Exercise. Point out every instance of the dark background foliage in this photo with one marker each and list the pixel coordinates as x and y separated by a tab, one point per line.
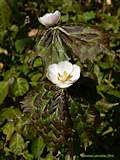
39	122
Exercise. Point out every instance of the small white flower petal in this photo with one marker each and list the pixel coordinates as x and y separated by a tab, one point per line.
53	68
46	19
63	85
56	17
52	73
43	21
52	77
65	66
75	73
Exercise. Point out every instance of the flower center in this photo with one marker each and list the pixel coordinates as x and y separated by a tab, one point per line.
64	77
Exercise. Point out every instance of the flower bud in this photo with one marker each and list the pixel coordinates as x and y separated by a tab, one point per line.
50	19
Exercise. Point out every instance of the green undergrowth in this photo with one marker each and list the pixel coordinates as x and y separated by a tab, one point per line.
38	121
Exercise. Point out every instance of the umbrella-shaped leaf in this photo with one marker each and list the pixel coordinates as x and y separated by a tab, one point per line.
50	47
85	42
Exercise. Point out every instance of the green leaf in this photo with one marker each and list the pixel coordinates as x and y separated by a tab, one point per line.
37	147
60	48
8	130
107	61
3	33
89	15
85	42
4	88
36	77
104	106
17	144
27	155
38	62
5	14
114	92
98	73
21	44
110	129
20	87
50	47
9	113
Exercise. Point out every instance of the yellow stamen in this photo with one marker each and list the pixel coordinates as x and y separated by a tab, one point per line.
65	77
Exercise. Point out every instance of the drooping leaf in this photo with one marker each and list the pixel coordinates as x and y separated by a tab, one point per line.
59	48
4	88
42	48
50	47
85	42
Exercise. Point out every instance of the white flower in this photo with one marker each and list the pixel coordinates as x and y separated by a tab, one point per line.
63	74
49	19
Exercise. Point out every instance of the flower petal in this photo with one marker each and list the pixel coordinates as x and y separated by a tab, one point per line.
52	73
53	68
63	85
52	77
75	73
46	19
65	66
56	17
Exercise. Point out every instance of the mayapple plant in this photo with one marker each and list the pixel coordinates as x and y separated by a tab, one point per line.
59	70
59	47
